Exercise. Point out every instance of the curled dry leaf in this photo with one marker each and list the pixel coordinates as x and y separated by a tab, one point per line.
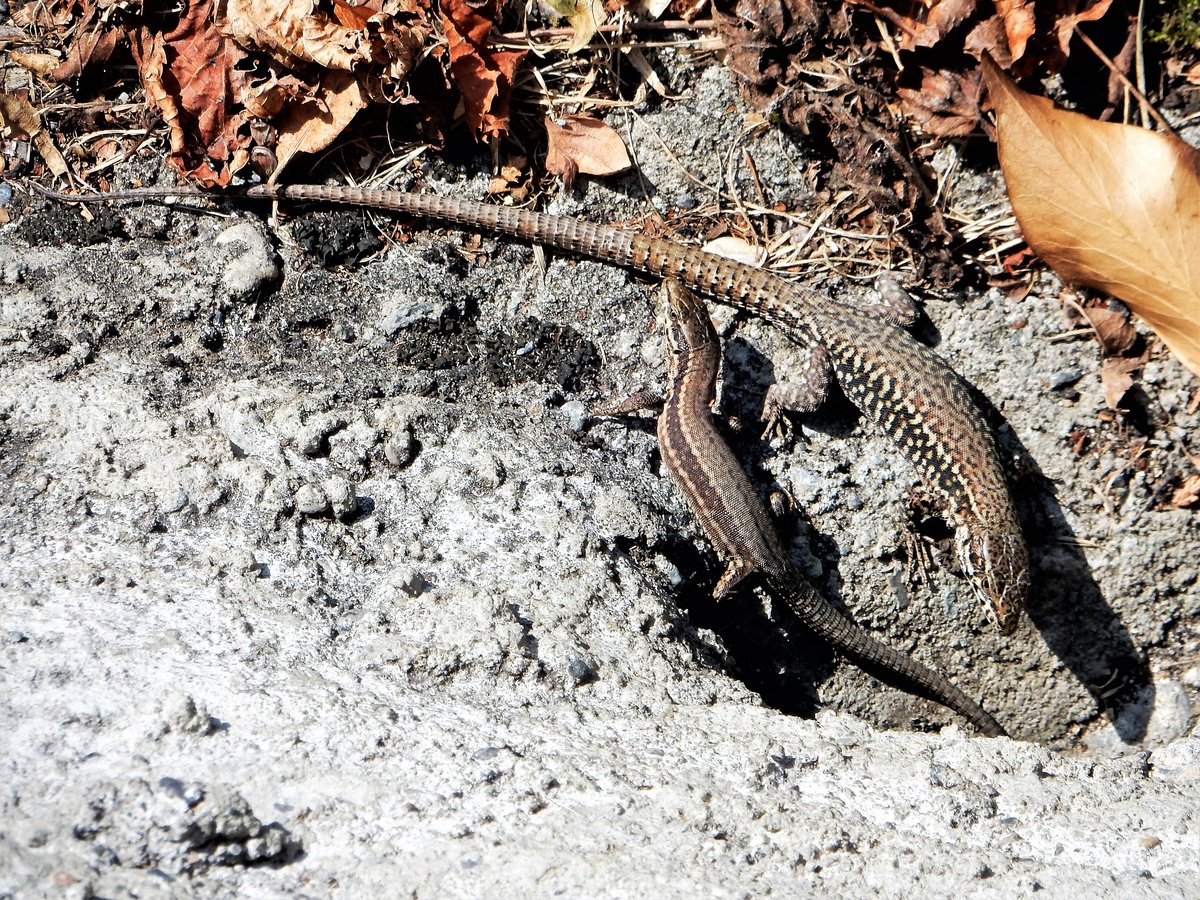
1109	206
582	144
37	63
1114	331
1187	495
585	16
1019	24
481	72
1116	376
382	41
18	118
941	18
733	247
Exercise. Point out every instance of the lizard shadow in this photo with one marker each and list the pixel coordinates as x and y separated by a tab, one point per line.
760	651
1065	603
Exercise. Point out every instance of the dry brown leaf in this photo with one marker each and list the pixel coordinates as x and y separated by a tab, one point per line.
19	118
49	15
191	75
989	35
349	16
1110	206
481	72
581	144
1187	495
37	63
942	18
946	103
1072	13
381	43
1113	329
1116	374
311	127
91	47
1019	24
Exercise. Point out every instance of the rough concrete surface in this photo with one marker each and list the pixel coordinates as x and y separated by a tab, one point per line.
324	583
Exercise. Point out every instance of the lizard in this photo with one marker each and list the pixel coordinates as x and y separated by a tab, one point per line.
736	521
901	385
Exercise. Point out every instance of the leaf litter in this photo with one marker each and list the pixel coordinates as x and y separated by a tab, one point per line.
248	90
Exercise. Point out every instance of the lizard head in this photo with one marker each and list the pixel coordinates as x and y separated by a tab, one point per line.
689	326
997	564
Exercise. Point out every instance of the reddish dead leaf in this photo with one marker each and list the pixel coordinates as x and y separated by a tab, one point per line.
942	17
349	16
1187	495
1070	14
1078	439
1113	329
1019	24
1018	260
481	72
186	74
946	103
95	41
580	144
1110	206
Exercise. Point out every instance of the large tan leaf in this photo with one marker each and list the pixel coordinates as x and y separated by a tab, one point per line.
1109	206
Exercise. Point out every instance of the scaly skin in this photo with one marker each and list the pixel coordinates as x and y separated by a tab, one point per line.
899	384
738	524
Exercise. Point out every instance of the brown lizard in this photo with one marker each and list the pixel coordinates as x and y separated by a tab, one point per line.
901	385
736	521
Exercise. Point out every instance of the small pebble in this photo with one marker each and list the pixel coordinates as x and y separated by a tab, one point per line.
576	414
399	448
253	266
340	492
310	500
583	669
1064	378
